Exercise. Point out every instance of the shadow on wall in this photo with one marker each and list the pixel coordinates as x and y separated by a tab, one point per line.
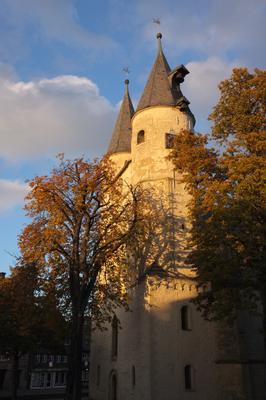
165	349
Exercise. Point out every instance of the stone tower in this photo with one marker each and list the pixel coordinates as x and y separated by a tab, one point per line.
164	349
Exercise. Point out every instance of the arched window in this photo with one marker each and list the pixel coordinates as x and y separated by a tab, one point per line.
185	318
114	336
133	373
188	377
141	137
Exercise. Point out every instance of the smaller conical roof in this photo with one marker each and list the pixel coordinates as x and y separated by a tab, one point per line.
121	137
158	90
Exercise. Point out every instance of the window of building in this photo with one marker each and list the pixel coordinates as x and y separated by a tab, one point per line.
41	380
141	137
60	378
64	359
169	140
2	377
98	378
185	318
113	386
85	356
133	373
44	358
4	357
38	358
58	358
188	376
85	375
114	336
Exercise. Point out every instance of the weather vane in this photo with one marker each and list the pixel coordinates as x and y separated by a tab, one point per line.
156	21
126	70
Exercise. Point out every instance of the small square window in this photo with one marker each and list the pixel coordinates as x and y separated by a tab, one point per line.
169	140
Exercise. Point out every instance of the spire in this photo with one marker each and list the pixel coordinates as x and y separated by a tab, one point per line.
158	90
121	137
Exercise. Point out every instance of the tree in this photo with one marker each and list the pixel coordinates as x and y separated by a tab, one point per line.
82	219
227	207
29	319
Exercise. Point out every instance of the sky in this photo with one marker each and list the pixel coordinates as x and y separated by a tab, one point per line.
61	76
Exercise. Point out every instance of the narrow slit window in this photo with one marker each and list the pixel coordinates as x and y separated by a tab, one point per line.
113	387
98	375
114	336
133	376
141	137
188	377
185	318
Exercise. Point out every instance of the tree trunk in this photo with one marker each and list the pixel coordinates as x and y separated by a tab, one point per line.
15	372
74	384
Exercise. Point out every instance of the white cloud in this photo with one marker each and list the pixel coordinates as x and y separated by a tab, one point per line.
47	116
12	193
210	28
201	85
55	20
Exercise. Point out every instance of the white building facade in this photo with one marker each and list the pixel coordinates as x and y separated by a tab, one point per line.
163	349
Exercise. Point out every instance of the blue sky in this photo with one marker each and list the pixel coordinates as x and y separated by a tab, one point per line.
61	76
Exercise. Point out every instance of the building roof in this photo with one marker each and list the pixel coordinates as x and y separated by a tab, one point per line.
121	137
163	85
158	90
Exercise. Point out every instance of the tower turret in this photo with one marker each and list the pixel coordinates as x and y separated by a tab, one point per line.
121	137
161	114
163	85
120	146
157	90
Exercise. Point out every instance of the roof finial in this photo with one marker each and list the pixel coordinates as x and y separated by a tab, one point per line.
159	37
126	84
126	72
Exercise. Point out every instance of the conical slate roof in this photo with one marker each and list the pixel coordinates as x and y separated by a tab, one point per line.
121	137
158	90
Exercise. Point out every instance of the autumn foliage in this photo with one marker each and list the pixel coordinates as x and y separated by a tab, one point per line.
29	317
228	198
82	219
